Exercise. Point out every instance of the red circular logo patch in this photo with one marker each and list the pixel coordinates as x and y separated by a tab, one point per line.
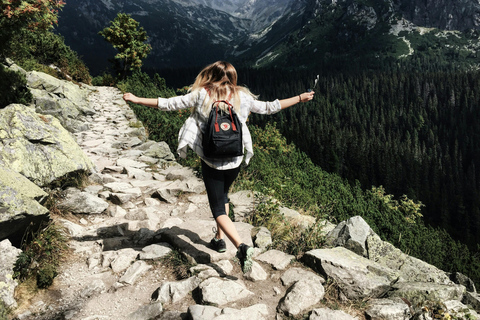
225	126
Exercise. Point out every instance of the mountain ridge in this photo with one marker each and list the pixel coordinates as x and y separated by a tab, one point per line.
193	33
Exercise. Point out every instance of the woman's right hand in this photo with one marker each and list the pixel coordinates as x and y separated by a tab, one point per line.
130	97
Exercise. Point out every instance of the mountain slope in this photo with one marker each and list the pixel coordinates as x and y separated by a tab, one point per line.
306	33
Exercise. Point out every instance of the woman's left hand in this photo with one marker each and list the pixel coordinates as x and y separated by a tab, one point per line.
306	96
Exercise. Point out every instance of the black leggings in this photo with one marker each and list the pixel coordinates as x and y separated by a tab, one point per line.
217	183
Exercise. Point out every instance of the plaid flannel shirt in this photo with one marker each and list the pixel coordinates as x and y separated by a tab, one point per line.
191	133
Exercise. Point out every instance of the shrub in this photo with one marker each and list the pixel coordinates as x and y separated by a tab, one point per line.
13	88
38	50
42	253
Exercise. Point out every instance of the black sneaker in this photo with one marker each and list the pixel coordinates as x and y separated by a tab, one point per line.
244	254
218	245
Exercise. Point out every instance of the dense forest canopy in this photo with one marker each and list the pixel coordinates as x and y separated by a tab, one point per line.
414	133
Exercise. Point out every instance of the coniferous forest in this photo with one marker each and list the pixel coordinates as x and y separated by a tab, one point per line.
414	133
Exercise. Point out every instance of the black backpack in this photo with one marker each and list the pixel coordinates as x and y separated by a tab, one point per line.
223	133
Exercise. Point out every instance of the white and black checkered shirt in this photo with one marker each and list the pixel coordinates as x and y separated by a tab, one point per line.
190	134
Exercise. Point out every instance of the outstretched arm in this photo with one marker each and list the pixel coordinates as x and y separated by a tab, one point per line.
304	97
149	102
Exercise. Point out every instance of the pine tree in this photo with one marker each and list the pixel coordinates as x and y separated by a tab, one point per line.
126	36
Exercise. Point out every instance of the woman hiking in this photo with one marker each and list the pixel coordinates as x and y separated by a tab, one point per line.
217	85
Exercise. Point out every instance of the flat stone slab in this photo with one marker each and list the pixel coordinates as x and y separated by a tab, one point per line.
356	276
218	292
277	259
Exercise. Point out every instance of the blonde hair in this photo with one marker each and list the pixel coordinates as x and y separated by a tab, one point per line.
220	81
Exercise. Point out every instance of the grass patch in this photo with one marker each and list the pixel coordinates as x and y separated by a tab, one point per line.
43	250
77	179
178	264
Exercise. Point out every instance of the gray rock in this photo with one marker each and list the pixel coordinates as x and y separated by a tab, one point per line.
124	259
204	271
155	251
410	269
216	269
93	189
135	271
392	309
301	296
200	312
118	187
472	299
296	219
8	257
256	273
293	275
159	150
78	202
465	281
120	198
179	173
262	237
255	312
418	292
352	235
129	163
166	195
93	288
329	314
218	292
19	204
277	259
38	147
139	133
171	292
64	100
116	211
150	311
243	204
134	173
73	229
357	277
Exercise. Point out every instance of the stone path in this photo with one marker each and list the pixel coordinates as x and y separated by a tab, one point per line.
138	206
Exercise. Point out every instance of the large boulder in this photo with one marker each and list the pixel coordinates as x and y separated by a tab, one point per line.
37	146
20	205
410	269
62	99
351	234
356	276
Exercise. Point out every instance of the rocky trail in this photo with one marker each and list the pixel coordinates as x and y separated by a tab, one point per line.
140	211
119	227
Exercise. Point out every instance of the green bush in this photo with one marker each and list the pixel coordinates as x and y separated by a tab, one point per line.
42	252
13	88
45	276
37	50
